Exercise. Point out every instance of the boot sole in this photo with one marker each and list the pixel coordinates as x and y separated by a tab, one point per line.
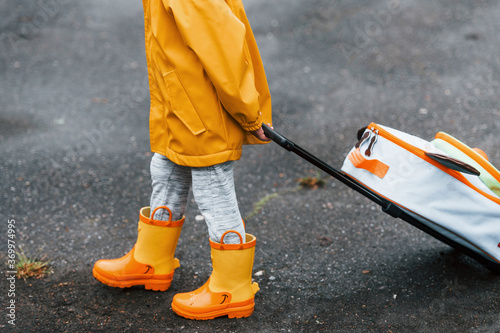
149	284
237	312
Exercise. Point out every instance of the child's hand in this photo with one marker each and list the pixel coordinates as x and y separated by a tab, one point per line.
259	134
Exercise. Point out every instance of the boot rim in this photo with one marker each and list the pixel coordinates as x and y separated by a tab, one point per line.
145	217
251	241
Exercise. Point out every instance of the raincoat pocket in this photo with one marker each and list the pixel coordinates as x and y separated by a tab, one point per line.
181	104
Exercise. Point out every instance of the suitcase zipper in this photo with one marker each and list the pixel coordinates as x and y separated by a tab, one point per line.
421	154
367	136
412	149
373	140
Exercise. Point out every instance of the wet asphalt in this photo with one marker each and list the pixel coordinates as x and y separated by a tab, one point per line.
74	147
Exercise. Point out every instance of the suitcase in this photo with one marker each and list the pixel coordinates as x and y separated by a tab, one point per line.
442	187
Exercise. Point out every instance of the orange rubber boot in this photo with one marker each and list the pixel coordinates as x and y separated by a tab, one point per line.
151	261
229	291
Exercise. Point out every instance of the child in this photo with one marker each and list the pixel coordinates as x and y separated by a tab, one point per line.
209	96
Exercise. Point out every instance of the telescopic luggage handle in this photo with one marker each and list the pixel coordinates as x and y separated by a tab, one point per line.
278	138
387	206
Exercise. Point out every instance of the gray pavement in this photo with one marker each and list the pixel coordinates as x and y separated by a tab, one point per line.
75	155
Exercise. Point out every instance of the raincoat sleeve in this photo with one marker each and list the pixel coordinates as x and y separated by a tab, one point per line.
217	36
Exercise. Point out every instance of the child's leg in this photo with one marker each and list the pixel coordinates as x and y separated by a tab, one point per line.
151	261
213	189
171	183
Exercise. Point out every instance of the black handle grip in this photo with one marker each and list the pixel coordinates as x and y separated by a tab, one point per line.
278	138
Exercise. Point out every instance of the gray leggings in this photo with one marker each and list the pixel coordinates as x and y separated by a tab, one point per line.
213	190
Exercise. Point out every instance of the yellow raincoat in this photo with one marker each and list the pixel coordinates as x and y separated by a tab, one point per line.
207	83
